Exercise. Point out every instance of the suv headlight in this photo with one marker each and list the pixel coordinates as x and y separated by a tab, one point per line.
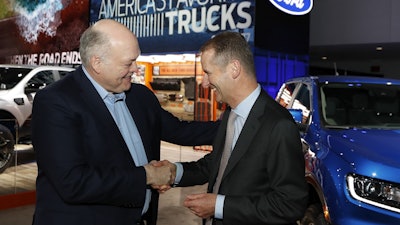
374	191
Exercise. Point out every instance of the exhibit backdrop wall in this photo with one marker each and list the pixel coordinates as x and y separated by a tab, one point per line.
48	31
42	32
168	26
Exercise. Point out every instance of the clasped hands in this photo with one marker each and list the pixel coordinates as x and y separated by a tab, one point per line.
160	175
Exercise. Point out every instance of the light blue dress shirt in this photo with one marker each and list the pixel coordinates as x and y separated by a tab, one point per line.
242	111
126	125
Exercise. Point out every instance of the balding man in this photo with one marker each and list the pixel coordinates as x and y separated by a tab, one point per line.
95	135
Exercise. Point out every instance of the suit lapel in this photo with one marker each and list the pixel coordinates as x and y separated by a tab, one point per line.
250	128
98	109
134	104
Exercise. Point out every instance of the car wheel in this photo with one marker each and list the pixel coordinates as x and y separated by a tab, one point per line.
314	216
6	147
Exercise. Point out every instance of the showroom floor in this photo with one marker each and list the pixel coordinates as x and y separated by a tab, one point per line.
21	177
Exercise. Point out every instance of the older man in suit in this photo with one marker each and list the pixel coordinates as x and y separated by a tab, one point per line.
95	135
256	169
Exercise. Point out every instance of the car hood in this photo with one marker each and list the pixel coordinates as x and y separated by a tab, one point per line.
357	145
3	92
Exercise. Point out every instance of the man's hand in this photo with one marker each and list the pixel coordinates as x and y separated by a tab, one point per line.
158	175
202	205
172	167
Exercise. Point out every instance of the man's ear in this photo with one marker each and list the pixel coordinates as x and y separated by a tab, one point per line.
95	62
235	67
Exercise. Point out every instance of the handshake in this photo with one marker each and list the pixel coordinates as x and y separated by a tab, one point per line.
160	175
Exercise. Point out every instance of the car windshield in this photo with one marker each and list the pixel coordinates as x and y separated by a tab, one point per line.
9	77
360	105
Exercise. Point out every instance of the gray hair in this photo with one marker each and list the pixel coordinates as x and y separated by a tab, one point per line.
93	43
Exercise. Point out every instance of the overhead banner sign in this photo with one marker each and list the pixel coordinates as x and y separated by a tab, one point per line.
177	25
293	7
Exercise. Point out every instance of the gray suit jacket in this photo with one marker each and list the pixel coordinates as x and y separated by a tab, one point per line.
264	180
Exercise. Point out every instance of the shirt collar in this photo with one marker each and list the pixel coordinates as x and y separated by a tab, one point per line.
243	109
102	92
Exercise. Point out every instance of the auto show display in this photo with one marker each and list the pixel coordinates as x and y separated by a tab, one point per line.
350	130
18	85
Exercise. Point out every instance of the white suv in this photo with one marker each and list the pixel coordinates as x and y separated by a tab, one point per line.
18	85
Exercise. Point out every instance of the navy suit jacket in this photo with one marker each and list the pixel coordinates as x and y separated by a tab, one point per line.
264	179
86	174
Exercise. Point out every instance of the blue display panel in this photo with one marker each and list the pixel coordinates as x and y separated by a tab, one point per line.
273	69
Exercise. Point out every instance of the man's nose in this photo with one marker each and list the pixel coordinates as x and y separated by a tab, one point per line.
205	83
134	68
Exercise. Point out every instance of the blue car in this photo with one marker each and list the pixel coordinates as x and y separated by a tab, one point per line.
350	130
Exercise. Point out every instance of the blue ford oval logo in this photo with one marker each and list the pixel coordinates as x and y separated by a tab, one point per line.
293	7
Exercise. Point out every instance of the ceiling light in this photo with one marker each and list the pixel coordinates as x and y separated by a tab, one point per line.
324	58
379	48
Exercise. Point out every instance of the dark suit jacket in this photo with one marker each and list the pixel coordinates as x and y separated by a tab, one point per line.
264	180
86	174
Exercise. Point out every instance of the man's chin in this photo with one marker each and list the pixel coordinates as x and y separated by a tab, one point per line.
126	86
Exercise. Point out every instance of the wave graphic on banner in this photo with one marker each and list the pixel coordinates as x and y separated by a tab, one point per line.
35	17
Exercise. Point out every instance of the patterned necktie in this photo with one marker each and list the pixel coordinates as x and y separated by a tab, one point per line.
230	129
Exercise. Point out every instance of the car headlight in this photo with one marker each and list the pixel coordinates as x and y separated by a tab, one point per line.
374	191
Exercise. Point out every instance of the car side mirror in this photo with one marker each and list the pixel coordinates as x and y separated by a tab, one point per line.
297	114
298	118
